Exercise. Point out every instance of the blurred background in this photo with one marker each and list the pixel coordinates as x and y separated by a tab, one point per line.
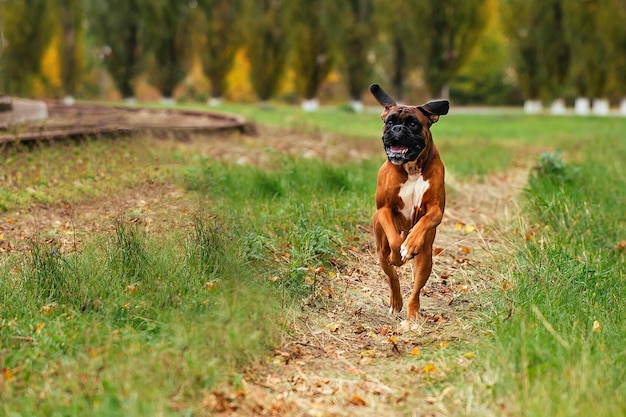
545	54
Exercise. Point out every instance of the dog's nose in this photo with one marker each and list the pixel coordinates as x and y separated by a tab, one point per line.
397	128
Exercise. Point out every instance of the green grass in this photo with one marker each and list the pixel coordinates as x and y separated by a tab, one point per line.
130	322
561	352
143	324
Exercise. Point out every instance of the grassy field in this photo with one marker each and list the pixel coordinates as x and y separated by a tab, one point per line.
149	320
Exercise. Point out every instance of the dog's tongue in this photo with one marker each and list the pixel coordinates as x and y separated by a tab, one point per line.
398	149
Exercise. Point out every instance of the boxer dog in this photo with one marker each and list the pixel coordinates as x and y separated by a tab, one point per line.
410	194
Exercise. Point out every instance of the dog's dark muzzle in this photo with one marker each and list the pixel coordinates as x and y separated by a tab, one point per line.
402	145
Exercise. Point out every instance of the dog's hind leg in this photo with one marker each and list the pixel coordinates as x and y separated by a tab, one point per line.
395	295
422	267
383	250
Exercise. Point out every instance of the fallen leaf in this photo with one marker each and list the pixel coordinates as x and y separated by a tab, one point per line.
366	360
393	339
597	327
621	246
356	400
370	353
459	226
437	251
469	228
274	278
359	329
469	355
318	269
385	330
333	327
48	308
429	368
443	344
415	351
465	249
39	327
7	374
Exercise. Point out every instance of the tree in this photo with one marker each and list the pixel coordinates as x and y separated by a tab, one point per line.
398	37
587	24
310	29
71	16
116	25
617	33
167	39
222	39
265	45
356	41
27	30
535	29
449	31
483	80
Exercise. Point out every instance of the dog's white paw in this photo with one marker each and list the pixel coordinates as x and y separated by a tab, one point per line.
404	252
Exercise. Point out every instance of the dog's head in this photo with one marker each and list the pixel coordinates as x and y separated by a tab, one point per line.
407	128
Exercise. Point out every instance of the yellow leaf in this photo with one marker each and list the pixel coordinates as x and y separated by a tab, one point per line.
370	353
458	226
597	327
274	278
393	339
469	355
332	274
469	228
415	351
442	345
465	249
39	327
430	368
7	374
333	327
211	285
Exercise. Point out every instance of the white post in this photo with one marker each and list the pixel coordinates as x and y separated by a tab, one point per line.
533	106
357	105
600	107
311	104
214	101
558	106
581	106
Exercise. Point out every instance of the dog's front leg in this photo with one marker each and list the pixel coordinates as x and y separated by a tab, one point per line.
395	239
414	242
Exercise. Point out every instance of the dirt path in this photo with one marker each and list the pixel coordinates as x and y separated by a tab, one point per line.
349	357
346	356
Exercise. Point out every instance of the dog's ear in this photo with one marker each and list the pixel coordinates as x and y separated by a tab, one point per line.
434	109
383	98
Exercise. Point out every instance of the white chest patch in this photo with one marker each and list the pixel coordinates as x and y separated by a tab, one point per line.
411	193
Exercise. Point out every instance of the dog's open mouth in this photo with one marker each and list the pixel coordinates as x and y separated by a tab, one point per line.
401	150
400	154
